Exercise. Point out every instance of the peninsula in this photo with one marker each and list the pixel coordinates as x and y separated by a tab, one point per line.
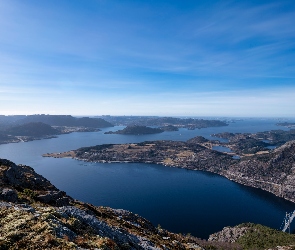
270	170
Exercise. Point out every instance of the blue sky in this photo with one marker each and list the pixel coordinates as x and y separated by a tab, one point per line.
153	57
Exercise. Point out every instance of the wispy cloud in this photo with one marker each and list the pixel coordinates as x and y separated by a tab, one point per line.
119	52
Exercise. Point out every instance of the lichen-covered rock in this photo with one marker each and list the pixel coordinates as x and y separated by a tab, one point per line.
229	234
103	229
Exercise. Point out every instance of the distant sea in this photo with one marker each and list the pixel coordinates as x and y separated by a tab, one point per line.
179	200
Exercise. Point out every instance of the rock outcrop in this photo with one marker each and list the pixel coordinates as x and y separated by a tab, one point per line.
8	194
254	236
229	234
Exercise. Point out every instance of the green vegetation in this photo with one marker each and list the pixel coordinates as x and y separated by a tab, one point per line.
29	193
262	237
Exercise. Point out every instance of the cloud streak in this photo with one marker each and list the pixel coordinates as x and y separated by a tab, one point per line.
118	52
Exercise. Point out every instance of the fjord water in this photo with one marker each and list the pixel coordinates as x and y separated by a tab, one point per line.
179	200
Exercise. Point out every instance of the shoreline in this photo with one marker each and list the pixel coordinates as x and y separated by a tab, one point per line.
67	130
278	189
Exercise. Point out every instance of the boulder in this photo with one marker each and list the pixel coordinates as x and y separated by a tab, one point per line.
57	198
7	194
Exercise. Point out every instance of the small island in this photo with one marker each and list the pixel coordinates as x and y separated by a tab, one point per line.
287	124
136	130
169	128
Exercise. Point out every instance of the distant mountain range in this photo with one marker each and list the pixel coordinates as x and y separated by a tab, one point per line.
56	120
26	128
190	123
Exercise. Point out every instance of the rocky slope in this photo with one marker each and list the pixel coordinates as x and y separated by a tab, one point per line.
273	172
247	143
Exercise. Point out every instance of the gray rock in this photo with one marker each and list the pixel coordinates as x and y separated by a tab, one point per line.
61	230
7	194
229	234
64	201
5	204
24	207
103	229
57	198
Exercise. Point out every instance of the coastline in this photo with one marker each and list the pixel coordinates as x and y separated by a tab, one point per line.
65	130
239	171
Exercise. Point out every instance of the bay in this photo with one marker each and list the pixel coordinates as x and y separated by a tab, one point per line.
179	200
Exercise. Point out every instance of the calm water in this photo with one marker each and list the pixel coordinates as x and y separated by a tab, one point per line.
179	200
221	149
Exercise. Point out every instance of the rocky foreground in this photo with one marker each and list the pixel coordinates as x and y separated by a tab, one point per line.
34	214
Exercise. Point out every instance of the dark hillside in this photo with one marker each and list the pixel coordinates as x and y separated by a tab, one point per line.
137	130
37	129
66	120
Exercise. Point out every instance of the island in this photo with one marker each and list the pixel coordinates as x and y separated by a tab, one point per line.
169	128
136	130
287	124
